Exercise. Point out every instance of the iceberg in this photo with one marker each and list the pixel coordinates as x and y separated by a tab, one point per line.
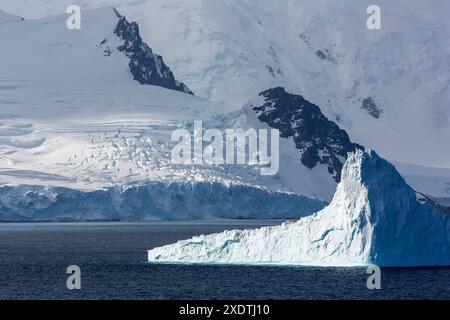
374	218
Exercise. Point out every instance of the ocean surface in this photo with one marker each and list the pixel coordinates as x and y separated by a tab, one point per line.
112	258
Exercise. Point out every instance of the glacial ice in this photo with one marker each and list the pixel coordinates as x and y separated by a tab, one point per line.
99	128
374	218
152	201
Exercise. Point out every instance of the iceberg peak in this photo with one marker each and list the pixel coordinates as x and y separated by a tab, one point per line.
374	218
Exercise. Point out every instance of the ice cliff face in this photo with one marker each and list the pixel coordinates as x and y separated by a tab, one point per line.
374	218
152	201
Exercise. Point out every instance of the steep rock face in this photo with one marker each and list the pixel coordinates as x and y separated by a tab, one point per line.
107	48
318	139
374	218
145	66
228	51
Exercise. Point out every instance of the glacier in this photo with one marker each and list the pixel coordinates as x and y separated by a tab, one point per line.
374	218
230	50
89	130
152	201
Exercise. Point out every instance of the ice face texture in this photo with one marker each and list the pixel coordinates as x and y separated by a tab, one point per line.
152	201
374	218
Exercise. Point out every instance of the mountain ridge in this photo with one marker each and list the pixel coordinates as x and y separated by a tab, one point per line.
105	35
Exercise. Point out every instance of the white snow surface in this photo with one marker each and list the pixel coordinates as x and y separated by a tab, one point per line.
81	140
230	50
73	117
428	180
8	18
374	218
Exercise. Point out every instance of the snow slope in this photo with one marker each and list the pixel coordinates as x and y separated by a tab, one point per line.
73	115
388	89
77	132
236	49
9	18
106	48
84	123
230	50
432	181
312	148
374	218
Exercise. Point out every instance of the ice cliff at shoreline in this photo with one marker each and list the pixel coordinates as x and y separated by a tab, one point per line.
152	201
374	218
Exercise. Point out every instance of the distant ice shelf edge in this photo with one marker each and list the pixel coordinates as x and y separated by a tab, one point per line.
374	218
176	200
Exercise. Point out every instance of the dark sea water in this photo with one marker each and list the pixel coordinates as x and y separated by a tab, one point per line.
112	258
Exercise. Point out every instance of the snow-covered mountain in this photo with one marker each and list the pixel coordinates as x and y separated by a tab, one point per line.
81	139
312	148
108	49
388	88
374	218
85	111
146	67
73	115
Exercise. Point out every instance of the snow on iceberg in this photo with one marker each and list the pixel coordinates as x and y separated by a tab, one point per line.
374	218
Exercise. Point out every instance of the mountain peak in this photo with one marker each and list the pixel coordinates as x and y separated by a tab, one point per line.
145	66
106	48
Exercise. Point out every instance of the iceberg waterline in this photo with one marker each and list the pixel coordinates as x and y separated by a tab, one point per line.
374	218
152	201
